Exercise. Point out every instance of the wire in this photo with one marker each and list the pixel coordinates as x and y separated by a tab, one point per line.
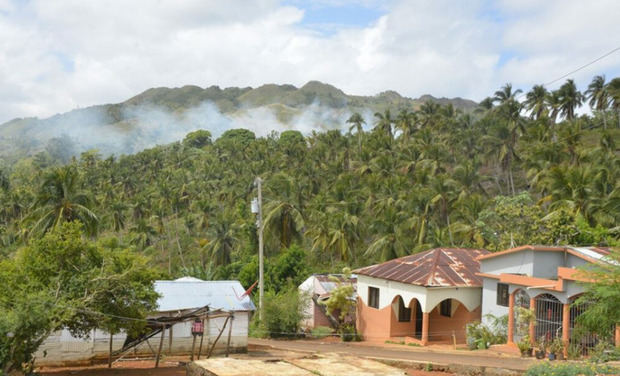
583	66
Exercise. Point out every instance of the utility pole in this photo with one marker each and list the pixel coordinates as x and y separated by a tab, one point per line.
259	223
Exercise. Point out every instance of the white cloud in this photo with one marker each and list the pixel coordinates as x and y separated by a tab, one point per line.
57	55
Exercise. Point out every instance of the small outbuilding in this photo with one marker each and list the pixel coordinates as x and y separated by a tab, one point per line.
426	297
317	289
182	303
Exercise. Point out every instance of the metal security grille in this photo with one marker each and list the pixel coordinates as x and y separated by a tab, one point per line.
585	341
522	299
548	317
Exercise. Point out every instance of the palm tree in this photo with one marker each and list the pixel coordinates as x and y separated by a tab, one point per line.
405	122
554	101
223	240
384	122
536	101
614	94
597	93
570	99
505	94
60	199
356	120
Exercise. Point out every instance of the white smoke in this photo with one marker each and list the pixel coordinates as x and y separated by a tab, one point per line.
145	126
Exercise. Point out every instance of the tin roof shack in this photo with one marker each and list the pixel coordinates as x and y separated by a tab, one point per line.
429	296
318	288
543	278
182	301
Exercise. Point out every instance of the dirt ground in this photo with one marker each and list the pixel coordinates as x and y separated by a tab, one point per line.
169	367
417	372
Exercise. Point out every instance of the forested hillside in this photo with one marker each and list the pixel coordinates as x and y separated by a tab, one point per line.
520	168
163	115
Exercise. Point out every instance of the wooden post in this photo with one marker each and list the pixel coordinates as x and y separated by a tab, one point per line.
617	335
218	337
425	318
511	318
232	317
191	358
170	340
161	344
204	332
454	339
110	354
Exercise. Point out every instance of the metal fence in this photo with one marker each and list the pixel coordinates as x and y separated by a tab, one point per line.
548	317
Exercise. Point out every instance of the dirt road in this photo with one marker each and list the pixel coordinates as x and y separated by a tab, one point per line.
418	354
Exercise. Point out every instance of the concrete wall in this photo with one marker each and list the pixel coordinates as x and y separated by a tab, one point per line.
441	327
62	348
489	299
517	263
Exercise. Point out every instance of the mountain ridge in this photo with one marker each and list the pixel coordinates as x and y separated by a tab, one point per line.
159	110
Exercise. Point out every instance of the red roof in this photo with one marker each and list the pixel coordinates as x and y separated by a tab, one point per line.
436	267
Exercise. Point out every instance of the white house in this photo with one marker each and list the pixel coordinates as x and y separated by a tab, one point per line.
425	297
178	298
543	278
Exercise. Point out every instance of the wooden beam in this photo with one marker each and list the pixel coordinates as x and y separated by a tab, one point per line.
204	329
110	353
161	344
232	317
218	337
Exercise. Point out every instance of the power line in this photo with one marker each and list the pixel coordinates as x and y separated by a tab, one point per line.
583	66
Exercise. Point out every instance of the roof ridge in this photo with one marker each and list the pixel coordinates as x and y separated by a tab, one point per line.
434	266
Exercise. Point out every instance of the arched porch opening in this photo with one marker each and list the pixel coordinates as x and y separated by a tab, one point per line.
447	321
405	318
521	324
549	317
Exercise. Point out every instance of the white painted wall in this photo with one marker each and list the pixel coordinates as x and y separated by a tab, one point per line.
428	297
61	347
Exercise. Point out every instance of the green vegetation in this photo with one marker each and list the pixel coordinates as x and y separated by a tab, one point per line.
569	369
322	332
480	336
426	175
65	281
283	312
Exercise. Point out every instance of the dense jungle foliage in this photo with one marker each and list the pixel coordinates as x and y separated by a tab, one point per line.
521	168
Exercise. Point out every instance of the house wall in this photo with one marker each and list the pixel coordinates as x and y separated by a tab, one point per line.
521	262
546	264
441	327
489	299
402	329
62	348
373	323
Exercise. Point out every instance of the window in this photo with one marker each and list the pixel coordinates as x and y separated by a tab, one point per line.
445	308
502	294
373	297
404	313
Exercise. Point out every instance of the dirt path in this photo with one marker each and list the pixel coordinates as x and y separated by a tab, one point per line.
128	368
417	354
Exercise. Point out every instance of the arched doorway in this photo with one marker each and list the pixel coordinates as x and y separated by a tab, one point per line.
418	320
548	317
522	300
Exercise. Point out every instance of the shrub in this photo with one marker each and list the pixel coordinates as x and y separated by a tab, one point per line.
481	336
282	315
322	331
569	369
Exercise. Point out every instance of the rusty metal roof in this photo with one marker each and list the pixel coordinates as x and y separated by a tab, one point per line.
436	267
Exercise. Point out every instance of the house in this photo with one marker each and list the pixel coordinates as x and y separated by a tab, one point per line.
181	303
541	278
429	296
318	288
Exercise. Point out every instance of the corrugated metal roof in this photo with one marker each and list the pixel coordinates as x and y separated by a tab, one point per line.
191	293
436	267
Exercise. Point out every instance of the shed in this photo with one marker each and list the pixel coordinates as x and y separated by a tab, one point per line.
180	301
317	289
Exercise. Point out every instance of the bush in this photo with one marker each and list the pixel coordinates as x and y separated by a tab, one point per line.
569	369
481	336
322	331
282	315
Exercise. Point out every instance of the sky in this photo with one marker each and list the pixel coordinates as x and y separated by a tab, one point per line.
59	55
